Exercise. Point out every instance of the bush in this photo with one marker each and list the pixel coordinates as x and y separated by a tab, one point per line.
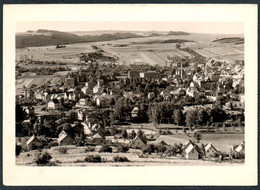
42	158
148	149
54	144
91	158
239	155
89	149
63	150
105	148
122	148
120	159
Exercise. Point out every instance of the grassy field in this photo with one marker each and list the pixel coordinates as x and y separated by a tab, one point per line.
75	156
139	49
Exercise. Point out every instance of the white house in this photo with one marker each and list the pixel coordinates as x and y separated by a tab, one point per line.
210	149
33	141
65	139
53	104
190	151
135	112
137	142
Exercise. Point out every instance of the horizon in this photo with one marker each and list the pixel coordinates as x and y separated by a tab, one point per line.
190	27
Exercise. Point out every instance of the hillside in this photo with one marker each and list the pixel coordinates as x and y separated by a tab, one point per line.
235	40
43	37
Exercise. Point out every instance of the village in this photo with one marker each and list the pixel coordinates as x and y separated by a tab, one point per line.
100	111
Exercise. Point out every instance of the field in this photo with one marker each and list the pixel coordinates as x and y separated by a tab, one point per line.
140	50
75	157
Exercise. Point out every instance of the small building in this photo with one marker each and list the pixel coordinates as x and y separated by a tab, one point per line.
54	104
210	149
137	143
239	148
150	75
33	141
98	90
86	89
103	101
135	112
65	139
151	95
190	151
97	139
133	74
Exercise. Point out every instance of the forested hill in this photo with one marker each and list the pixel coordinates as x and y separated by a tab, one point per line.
45	38
51	37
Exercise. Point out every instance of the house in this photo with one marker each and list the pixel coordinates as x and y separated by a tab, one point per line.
87	130
150	75
86	89
53	104
97	139
137	142
103	101
210	149
178	92
239	148
190	151
98	90
192	92
135	112
151	95
133	74
33	141
65	139
166	95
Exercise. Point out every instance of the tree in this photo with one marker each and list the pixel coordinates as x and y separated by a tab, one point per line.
178	117
42	158
191	118
133	134
124	133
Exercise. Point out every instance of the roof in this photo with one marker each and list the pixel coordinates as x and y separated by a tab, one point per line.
209	145
32	139
63	136
97	136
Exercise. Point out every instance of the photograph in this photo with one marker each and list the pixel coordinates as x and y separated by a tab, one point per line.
161	99
129	98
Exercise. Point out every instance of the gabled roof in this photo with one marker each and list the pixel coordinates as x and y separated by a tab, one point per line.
63	136
187	147
33	138
137	137
208	146
97	136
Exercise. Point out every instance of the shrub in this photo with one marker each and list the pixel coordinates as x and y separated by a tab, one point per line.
42	158
89	149
54	144
105	148
91	158
148	149
122	148
120	159
239	155
63	150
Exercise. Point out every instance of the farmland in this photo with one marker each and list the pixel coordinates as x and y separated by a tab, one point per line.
140	50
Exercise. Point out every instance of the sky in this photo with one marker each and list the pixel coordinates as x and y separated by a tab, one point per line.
196	27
